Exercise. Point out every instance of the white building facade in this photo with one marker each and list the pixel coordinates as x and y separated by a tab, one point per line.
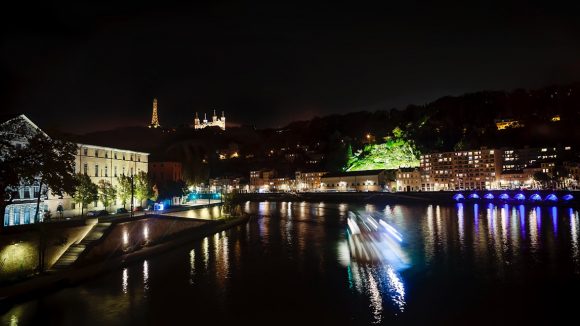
100	163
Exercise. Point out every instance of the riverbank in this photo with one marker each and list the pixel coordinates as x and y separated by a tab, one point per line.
53	281
443	197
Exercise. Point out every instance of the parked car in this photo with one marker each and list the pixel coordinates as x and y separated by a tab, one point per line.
121	211
98	213
138	209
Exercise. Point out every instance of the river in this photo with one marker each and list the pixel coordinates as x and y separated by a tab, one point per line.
300	263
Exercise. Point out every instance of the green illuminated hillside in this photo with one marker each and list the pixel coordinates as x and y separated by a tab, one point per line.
394	153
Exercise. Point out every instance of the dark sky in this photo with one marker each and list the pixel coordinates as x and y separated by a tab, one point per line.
81	67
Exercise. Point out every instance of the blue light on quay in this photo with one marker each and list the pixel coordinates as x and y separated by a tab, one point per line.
552	197
520	196
504	196
474	196
488	196
535	197
458	197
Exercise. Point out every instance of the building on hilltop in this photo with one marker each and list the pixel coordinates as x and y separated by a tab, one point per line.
215	121
503	124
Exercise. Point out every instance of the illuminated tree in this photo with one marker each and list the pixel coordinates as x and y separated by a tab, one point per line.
10	170
49	164
124	189
143	187
394	153
541	178
107	193
86	191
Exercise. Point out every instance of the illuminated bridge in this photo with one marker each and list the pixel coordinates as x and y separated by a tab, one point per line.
517	196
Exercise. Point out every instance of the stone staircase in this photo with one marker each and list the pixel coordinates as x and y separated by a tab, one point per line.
75	250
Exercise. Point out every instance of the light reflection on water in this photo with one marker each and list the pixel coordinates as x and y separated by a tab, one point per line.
145	277
273	259
125	280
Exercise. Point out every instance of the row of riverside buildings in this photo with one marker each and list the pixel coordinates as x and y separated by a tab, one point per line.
98	162
471	169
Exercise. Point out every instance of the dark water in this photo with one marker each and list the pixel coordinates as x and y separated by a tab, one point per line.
461	264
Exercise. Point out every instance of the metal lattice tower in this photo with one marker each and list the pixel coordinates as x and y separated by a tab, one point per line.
154	117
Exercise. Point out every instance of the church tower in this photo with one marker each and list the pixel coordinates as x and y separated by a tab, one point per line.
215	121
196	123
154	117
223	121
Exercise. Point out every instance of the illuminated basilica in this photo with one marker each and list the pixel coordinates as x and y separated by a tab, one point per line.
215	121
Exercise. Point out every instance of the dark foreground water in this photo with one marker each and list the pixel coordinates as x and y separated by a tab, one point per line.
468	263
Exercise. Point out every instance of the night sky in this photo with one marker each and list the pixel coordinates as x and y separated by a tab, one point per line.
80	67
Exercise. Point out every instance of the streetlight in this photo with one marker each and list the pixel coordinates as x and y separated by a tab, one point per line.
132	195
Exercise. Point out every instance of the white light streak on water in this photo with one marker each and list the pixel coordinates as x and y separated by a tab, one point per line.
125	280
145	276
375	298
396	288
191	266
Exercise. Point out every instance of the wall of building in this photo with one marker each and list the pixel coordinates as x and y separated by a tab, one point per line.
161	172
100	163
308	181
475	169
408	180
352	183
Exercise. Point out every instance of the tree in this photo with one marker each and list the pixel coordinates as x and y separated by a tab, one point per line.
143	187
560	176
393	154
124	189
170	189
107	193
398	133
86	191
10	171
541	178
49	163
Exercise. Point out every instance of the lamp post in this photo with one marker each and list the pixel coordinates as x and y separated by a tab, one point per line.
132	195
